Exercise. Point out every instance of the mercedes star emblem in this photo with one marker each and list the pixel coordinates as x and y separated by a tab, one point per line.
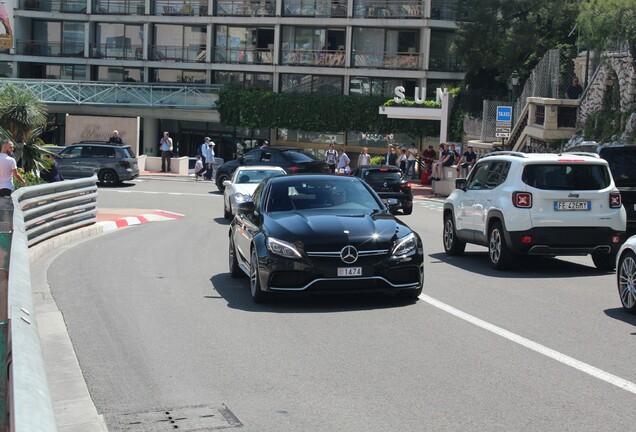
349	254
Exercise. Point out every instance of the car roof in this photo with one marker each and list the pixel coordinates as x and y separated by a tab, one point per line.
379	167
543	157
259	168
99	143
279	149
313	176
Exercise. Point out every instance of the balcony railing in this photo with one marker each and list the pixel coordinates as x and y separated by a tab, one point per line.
132	52
315	8
388	9
445	10
50	49
70	6
386	60
177	53
313	58
120	7
445	62
178	8
245	8
246	56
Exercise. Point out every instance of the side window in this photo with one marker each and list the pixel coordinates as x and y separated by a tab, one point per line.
497	173
103	152
252	156
73	152
477	178
88	152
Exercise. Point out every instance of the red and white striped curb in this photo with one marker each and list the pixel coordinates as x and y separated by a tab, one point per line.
156	216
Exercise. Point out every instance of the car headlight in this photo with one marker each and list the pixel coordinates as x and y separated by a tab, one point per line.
282	248
239	197
404	245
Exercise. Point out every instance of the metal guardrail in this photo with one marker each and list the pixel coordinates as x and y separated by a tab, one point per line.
39	212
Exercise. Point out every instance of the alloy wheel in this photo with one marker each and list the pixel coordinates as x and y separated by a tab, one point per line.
495	246
626	281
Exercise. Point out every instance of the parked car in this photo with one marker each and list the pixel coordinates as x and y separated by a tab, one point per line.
622	163
112	163
292	160
389	184
242	185
315	233
626	274
536	204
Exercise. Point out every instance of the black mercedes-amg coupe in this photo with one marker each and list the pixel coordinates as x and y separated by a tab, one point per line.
323	233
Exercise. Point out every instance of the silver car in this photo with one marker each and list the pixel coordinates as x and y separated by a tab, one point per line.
243	184
111	162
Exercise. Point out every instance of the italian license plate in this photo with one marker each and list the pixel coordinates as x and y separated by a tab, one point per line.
572	205
349	271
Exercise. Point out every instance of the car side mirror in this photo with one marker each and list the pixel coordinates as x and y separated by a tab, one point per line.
226	183
461	183
246	208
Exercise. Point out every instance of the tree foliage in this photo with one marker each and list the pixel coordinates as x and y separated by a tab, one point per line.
312	112
605	23
497	37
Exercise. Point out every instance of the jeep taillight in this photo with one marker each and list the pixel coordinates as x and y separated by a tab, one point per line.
522	199
615	200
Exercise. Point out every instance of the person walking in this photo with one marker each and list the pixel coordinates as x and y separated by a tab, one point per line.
165	145
390	158
204	151
8	169
331	158
410	162
402	161
343	162
364	158
115	139
210	161
199	170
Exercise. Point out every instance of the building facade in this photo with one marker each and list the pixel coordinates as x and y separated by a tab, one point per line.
351	47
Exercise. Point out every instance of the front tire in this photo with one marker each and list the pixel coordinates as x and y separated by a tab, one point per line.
408	208
498	251
626	279
452	244
258	296
235	270
220	179
604	262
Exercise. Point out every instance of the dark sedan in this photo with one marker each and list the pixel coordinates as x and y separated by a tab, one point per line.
389	184
314	233
292	160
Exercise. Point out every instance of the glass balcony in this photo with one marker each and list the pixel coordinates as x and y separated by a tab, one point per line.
298	57
120	7
191	54
131	52
70	6
245	8
315	8
49	49
445	62
246	56
178	8
445	10
386	60
388	9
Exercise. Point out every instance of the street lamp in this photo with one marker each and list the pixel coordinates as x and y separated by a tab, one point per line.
513	82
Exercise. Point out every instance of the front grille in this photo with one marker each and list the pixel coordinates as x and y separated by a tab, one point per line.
289	279
404	275
336	254
344	285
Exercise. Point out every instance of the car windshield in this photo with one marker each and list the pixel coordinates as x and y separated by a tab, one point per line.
256	176
299	156
324	194
567	176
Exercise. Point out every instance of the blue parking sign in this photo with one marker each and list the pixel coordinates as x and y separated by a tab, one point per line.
504	113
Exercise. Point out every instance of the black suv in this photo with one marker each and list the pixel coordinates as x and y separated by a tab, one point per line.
292	160
622	163
388	183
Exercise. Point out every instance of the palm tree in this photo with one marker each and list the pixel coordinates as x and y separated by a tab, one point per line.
21	113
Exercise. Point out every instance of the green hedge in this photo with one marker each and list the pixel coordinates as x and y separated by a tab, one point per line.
312	112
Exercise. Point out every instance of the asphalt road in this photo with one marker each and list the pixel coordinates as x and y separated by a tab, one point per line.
160	329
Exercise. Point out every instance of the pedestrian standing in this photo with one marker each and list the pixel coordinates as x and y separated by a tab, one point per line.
402	161
390	158
8	169
210	162
364	158
165	145
429	157
331	158
410	163
115	139
574	90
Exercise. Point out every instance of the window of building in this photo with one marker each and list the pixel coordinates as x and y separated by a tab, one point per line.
6	69
312	46
54	38
441	57
385	48
321	84
122	41
244	80
179	43
119	74
244	45
178	76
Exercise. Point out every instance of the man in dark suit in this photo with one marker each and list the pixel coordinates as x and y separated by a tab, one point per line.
390	158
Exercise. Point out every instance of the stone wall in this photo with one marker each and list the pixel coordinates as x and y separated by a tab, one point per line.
614	67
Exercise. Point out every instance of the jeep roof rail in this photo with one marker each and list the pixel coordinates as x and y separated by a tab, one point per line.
505	153
590	154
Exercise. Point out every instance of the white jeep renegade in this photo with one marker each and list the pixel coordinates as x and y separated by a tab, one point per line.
537	204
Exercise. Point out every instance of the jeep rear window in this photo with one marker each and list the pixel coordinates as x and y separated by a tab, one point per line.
565	176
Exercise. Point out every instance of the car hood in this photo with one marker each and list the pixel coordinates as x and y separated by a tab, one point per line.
320	231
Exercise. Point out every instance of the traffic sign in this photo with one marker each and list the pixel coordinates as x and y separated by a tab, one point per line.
502	129
503	124
502	134
504	113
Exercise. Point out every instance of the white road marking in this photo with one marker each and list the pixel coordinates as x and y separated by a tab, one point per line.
164	193
548	352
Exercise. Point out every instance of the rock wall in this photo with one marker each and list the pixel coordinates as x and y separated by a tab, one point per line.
614	68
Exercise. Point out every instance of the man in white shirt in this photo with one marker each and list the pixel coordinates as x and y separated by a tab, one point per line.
410	162
210	161
8	169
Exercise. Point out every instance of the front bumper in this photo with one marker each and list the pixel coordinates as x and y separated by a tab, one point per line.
565	241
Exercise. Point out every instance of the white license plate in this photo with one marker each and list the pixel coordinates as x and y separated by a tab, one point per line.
572	205
349	271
